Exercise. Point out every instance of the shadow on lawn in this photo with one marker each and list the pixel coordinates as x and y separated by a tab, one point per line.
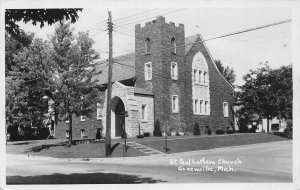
78	178
25	143
46	146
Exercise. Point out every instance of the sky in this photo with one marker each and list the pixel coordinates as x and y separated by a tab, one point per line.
241	52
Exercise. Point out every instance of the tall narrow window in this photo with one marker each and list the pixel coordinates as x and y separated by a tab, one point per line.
173	45
206	107
175	104
195	75
174	71
196	106
200	76
148	71
67	133
204	78
201	106
144	112
225	109
99	111
147	46
82	135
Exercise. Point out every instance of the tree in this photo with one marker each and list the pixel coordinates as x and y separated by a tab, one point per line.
36	16
267	92
73	90
227	72
13	47
25	83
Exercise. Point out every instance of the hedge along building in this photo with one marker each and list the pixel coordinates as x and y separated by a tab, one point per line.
170	78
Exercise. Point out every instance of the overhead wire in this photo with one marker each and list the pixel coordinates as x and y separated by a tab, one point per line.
221	36
151	17
133	15
153	14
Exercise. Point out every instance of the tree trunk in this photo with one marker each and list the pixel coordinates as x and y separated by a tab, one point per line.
70	129
268	124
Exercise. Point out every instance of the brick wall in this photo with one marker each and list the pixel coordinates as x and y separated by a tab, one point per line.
220	92
162	85
90	126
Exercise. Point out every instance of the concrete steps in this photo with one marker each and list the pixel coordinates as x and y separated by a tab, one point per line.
145	149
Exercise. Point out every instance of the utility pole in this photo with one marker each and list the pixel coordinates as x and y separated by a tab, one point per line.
108	107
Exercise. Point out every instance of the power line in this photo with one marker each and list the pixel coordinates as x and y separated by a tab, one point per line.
152	17
259	39
129	30
224	35
124	33
134	15
146	15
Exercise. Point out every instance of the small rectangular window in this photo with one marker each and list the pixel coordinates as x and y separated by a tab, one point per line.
204	78
148	71
144	112
82	118
175	104
225	109
174	71
196	106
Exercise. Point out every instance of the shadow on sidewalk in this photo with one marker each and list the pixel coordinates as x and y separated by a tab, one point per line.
77	178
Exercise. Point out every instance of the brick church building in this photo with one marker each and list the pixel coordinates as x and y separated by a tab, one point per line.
170	78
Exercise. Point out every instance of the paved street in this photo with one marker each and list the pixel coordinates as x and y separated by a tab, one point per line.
267	162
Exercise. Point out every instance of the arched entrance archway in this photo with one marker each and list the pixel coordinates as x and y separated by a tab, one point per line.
118	119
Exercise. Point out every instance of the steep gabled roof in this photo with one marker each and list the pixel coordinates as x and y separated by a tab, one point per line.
191	41
123	68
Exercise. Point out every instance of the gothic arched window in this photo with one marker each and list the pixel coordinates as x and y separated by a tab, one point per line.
173	45
147	46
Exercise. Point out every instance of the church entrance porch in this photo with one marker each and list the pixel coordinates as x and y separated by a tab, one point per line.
117	117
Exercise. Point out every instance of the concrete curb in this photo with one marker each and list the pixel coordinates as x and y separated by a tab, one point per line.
119	160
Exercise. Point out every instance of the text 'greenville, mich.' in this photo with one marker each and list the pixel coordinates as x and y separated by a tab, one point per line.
205	165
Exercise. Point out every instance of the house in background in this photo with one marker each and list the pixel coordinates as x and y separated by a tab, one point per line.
170	78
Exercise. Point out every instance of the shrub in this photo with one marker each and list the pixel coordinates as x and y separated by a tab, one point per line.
196	129
209	131
140	136
220	131
157	130
230	131
147	134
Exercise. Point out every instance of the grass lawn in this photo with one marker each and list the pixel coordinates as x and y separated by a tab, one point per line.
210	142
57	147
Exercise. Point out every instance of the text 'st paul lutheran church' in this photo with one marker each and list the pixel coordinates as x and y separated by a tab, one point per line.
170	78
